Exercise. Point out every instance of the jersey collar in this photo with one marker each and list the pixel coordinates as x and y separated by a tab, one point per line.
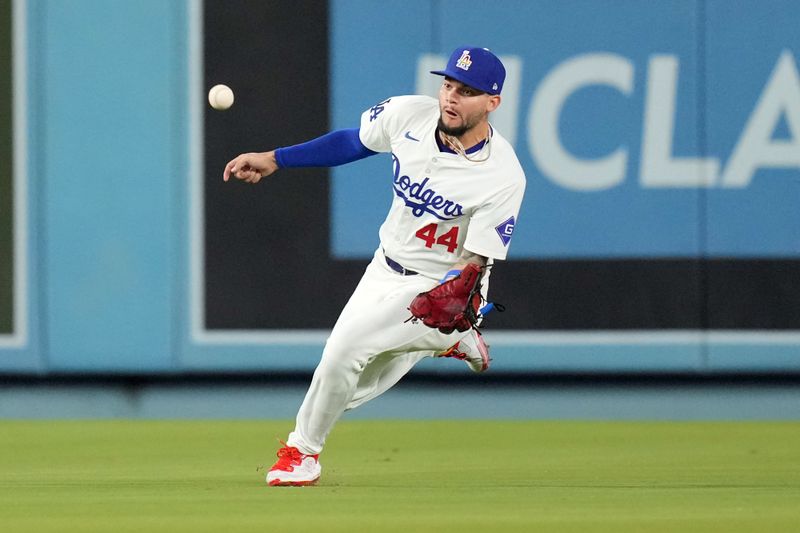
446	149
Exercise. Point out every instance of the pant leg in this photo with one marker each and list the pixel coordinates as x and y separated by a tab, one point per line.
387	369
371	329
382	374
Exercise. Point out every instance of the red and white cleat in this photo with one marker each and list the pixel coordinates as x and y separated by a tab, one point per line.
472	350
294	468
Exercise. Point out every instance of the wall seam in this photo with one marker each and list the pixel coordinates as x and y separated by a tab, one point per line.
702	193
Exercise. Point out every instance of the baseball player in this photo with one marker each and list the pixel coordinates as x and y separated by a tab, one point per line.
457	188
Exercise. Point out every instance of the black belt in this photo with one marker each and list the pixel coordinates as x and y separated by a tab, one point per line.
400	269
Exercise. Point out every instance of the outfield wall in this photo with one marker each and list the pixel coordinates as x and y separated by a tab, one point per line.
660	231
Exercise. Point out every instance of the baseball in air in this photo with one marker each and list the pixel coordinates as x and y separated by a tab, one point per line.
220	97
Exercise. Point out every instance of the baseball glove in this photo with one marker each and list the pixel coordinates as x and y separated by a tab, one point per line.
453	305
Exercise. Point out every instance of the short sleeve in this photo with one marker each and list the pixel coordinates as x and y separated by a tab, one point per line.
376	126
386	120
492	225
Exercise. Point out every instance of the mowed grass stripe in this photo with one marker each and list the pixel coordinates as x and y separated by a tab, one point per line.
405	476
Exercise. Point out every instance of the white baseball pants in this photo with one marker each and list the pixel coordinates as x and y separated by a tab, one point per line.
370	348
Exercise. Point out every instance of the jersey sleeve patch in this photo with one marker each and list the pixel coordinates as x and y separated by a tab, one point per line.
377	109
505	229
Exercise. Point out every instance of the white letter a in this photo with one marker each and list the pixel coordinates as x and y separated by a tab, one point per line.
755	147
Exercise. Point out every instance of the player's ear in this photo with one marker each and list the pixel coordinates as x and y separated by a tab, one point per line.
493	103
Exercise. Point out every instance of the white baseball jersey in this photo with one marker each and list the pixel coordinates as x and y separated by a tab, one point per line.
443	203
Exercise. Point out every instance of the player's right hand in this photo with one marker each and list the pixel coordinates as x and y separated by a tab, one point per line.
251	167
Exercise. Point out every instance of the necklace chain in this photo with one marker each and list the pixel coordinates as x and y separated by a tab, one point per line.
456	145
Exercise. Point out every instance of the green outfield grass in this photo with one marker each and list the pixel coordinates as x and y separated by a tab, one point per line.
403	476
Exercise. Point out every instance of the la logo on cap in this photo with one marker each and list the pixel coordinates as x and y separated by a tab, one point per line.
464	62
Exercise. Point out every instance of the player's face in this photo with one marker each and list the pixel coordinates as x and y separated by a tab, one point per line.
462	107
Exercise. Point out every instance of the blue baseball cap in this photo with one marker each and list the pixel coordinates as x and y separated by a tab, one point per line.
477	67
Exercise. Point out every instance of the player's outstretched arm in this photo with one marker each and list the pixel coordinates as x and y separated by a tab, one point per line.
251	167
332	149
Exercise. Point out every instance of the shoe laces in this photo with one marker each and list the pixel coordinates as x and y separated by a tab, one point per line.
454	353
288	456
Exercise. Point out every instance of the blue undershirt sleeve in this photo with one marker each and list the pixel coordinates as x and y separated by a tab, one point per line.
332	149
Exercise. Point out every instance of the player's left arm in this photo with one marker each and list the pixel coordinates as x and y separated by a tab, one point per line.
491	226
466	258
469	257
490	229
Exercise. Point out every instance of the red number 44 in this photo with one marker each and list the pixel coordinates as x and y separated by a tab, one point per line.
449	238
